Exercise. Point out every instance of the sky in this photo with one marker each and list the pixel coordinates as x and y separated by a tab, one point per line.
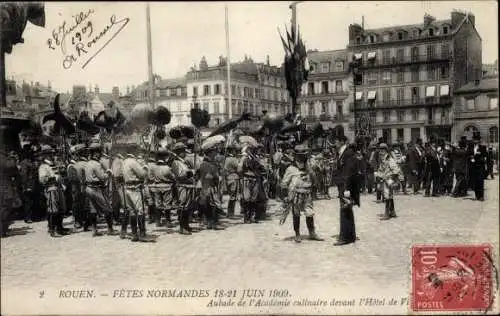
183	32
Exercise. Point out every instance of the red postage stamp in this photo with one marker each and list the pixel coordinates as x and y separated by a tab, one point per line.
451	277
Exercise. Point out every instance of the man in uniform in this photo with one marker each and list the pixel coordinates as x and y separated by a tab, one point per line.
134	175
252	191
374	163
163	181
297	182
80	214
52	184
389	172
210	198
186	187
232	178
73	178
95	184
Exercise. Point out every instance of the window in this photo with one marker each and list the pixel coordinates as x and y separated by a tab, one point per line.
372	78
414	53
246	92
372	39
414	116
400	95
401	55
386	77
431	32
276	98
179	107
386	115
445	51
471	104
431	72
240	108
445	30
206	107
314	68
216	108
415	94
217	89
340	110
493	103
173	92
385	38
184	91
373	117
415	134
415	74
359	96
444	90
251	108
386	95
386	56
400	35
401	116
324	87
338	86
493	134
311	109
431	51
430	91
179	91
157	92
206	90
372	95
311	88
233	89
401	135
324	107
325	67
400	76
226	107
339	66
444	72
358	40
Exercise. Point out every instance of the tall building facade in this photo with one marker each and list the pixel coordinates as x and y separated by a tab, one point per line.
325	97
409	74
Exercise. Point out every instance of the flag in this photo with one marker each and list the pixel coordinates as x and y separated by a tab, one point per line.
285	46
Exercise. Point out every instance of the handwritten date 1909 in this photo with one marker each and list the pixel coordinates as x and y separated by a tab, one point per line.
59	35
83	48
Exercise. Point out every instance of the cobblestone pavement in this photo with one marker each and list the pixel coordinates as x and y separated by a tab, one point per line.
255	255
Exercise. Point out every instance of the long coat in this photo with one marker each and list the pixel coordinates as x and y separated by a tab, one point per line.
347	174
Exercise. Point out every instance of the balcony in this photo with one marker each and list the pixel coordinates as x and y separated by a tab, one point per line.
401	104
404	61
444	121
338	93
324	118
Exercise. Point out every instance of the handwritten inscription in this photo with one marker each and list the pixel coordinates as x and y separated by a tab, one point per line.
84	38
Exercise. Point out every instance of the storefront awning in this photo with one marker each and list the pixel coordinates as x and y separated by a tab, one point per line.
430	91
359	95
372	95
358	56
444	90
371	55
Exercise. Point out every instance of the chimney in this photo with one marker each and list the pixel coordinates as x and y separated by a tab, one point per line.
96	89
37	84
363	22
456	18
49	86
267	60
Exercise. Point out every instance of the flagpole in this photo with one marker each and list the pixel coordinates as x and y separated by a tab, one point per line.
228	65
150	58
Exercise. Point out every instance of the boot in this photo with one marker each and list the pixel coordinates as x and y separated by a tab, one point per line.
230	209
133	224
109	222
157	216
151	213
52	226
60	218
142	225
185	222
296	228
168	219
387	213
124	224
392	210
93	221
312	231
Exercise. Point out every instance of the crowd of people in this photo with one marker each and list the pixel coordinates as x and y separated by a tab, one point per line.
130	186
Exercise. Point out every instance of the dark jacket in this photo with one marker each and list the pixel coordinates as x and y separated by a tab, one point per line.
414	159
459	158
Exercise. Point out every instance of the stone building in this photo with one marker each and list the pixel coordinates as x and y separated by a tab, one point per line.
410	73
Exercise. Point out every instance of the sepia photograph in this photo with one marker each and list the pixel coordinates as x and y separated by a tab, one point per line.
249	158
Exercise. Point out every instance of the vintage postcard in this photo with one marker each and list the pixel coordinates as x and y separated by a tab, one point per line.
249	158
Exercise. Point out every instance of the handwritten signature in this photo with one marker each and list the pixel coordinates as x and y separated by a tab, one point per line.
83	40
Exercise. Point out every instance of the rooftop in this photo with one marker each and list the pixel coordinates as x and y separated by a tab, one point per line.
327	56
